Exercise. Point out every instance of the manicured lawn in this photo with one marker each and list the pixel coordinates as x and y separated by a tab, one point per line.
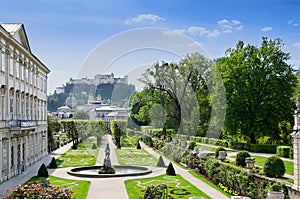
83	156
260	160
77	157
133	156
126	142
88	143
79	188
207	147
177	187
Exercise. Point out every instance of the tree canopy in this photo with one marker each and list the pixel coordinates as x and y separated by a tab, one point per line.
259	86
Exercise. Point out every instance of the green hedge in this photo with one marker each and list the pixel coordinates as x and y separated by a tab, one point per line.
283	151
236	178
230	176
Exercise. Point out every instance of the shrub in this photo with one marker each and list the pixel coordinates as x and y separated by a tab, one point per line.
274	167
43	172
52	164
217	151
240	158
283	151
161	162
276	187
170	170
94	146
31	190
238	145
138	146
292	153
262	148
192	145
230	176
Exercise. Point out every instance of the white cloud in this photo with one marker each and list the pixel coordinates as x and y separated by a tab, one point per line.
266	29
144	18
297	44
223	26
294	22
228	26
173	32
196	30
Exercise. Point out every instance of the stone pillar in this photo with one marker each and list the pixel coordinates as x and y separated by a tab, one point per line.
296	144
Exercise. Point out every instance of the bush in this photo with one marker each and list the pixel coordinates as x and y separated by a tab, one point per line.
274	167
170	170
283	151
192	145
292	153
31	190
161	162
234	178
138	146
262	148
94	146
276	187
238	145
241	157
217	151
52	164
43	172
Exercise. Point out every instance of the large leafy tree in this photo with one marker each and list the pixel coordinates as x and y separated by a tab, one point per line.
259	85
181	88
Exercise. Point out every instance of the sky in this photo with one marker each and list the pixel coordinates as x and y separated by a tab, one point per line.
79	38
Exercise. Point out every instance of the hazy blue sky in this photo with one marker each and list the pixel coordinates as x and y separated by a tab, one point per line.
62	33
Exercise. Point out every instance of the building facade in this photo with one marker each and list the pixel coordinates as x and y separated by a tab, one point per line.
23	103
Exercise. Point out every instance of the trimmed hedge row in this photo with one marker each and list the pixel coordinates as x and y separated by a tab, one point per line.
258	148
236	178
285	151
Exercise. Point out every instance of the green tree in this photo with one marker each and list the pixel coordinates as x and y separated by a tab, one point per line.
118	129
259	85
81	115
182	89
53	128
72	132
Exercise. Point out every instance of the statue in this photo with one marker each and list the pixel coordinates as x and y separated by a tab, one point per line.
107	168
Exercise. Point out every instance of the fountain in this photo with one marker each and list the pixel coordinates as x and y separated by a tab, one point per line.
107	170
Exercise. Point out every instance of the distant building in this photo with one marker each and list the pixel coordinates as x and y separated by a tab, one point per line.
108	113
23	103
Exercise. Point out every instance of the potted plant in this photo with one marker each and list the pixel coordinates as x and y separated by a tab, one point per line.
275	191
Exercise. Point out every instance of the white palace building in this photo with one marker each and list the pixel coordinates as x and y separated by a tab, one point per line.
23	103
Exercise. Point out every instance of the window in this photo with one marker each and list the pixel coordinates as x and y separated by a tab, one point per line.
4	155
11	106
3	61
17	107
18	69
26	74
2	107
12	156
11	64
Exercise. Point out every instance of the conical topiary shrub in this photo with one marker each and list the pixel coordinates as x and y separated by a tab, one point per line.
43	172
138	146
170	170
161	162
94	146
52	164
